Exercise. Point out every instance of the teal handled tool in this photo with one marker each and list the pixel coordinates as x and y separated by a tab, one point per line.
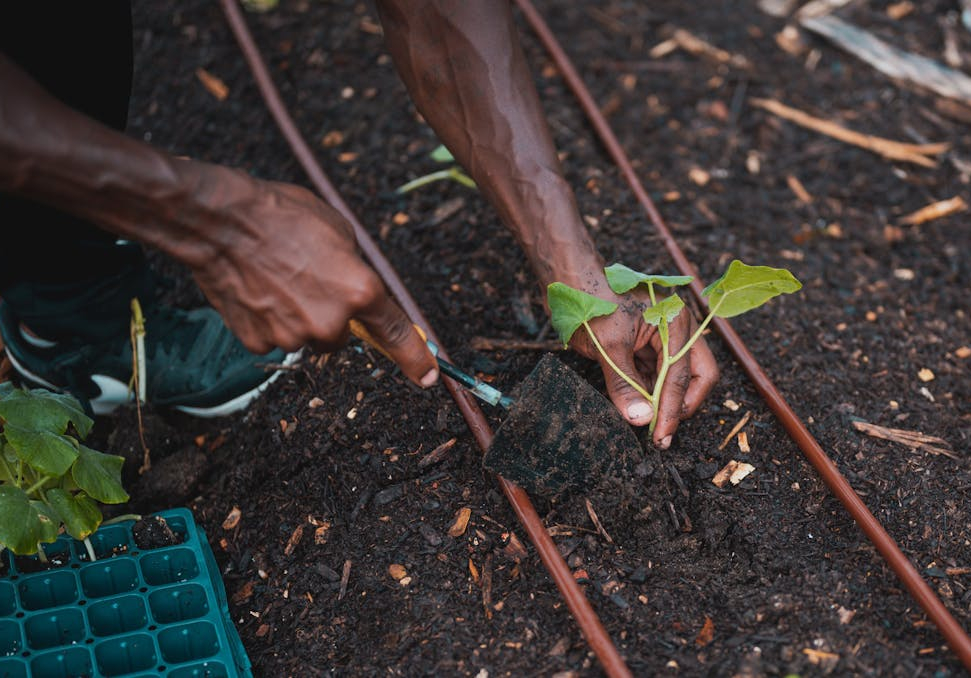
475	386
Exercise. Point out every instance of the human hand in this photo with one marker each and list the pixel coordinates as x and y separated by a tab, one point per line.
284	270
635	348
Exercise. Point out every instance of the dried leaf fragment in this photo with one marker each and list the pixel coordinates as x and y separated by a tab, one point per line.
232	518
474	571
320	534
820	657
733	472
214	85
743	445
244	593
706	634
457	528
699	176
846	616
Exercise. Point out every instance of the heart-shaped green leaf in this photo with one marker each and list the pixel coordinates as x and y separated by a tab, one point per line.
42	410
667	309
80	514
45	451
99	475
742	288
570	308
20	526
623	279
441	154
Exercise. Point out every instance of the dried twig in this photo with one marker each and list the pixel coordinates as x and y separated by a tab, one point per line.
345	577
937	210
495	344
893	150
892	61
694	45
735	429
596	522
486	582
437	454
912	439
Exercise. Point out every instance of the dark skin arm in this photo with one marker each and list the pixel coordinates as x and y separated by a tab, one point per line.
466	72
281	266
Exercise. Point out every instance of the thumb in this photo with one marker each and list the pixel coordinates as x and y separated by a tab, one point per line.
633	406
386	327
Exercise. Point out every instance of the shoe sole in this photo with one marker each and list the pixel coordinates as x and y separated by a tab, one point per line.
115	393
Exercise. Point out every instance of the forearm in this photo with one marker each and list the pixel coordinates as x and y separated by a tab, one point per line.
465	70
55	155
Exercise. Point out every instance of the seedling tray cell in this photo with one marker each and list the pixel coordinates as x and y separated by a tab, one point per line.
132	612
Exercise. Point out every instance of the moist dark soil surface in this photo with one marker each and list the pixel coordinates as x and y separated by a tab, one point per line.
351	558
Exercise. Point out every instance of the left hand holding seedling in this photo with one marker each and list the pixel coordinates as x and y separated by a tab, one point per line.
635	349
741	288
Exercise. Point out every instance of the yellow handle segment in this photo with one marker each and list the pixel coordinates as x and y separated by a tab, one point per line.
361	332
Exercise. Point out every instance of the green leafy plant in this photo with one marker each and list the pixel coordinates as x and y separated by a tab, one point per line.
453	173
741	288
49	481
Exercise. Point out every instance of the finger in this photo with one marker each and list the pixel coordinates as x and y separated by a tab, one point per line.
394	333
631	404
704	375
646	361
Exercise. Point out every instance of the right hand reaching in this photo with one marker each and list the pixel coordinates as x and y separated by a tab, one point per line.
283	269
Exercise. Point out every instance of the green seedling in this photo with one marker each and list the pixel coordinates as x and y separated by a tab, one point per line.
741	288
453	173
49	481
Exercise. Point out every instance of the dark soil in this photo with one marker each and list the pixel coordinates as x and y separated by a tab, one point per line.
152	532
561	435
767	577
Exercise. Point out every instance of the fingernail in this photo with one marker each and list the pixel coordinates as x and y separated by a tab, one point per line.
430	378
640	411
665	442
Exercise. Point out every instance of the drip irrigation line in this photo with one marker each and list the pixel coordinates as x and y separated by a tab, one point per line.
578	604
952	631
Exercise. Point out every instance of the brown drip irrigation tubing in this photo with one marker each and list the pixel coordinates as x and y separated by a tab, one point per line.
955	635
590	624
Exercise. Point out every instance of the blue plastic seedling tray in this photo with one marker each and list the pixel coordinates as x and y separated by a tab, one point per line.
140	612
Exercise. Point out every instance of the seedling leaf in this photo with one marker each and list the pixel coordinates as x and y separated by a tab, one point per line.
623	279
20	529
43	410
48	522
742	288
80	514
99	475
570	308
45	451
441	154
667	309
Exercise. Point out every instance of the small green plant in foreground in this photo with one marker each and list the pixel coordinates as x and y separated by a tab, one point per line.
49	481
741	288
454	173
